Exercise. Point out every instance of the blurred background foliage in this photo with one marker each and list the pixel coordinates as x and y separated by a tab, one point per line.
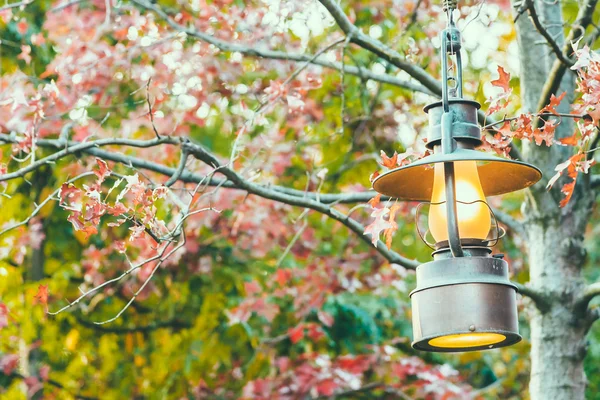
179	338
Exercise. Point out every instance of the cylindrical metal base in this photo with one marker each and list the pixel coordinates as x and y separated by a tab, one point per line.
464	304
464	126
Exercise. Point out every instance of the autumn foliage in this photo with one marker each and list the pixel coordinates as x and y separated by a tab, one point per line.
166	225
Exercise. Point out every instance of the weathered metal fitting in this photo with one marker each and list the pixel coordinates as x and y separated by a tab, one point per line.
464	122
472	248
452	39
460	303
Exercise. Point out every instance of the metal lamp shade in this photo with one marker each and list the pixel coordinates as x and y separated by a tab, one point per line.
464	304
497	175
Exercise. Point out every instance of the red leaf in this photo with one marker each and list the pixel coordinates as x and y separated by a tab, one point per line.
296	334
373	176
389	162
42	295
117	209
570	141
355	364
4	315
503	80
251	288
89	231
9	363
545	134
375	200
68	191
282	276
103	170
22	27
554	102
315	332
326	387
567	190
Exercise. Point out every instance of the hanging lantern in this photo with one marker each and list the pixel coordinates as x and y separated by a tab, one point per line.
464	300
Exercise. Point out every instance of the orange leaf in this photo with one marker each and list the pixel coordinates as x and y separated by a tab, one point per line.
373	176
389	162
375	200
567	189
42	295
389	233
503	79
296	334
570	141
554	102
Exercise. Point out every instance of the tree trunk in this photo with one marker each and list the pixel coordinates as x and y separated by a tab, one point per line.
555	235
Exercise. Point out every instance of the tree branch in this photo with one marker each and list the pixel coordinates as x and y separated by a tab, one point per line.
283	195
200	153
429	85
583	19
588	293
16	5
379	48
551	42
52	196
74	147
541	301
591	316
394	58
279	55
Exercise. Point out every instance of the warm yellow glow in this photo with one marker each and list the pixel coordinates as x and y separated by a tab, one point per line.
474	220
467	340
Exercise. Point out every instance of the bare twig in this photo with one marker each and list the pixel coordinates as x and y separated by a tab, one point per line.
377	47
150	112
48	199
291	244
200	153
393	57
544	114
77	147
542	30
16	5
148	279
583	19
264	105
175	177
413	16
66	4
108	282
278	55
